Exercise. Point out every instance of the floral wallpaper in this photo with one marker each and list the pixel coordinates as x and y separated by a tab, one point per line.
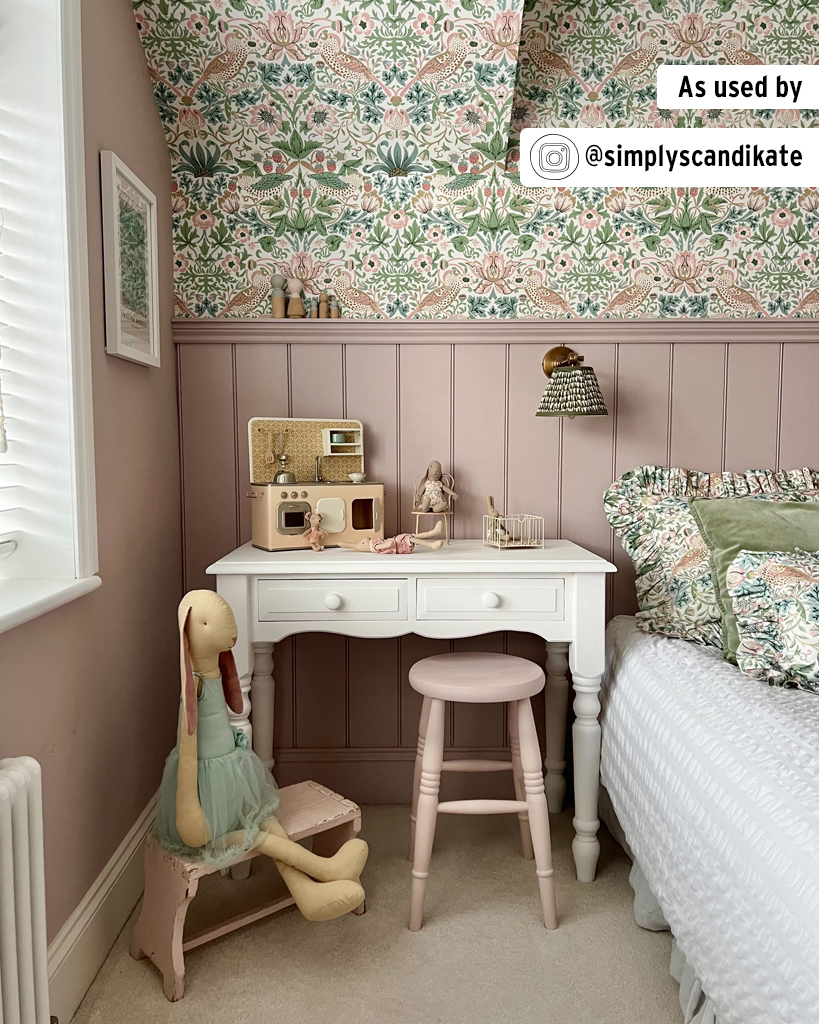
369	148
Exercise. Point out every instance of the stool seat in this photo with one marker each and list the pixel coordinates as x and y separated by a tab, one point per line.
476	677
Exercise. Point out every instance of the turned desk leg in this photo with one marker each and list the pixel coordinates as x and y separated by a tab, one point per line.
586	743
262	690
557	706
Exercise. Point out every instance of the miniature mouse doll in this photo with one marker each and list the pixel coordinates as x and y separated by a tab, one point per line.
431	493
217	799
403	544
314	533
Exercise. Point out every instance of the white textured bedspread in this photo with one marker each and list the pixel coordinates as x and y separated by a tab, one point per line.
715	780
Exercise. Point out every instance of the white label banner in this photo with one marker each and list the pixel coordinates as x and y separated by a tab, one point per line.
639	157
738	87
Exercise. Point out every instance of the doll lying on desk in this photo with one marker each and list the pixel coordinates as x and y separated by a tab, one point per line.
402	544
217	799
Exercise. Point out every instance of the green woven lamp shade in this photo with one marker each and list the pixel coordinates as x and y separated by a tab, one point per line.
572	391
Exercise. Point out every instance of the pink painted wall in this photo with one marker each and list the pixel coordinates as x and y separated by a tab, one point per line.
344	711
91	689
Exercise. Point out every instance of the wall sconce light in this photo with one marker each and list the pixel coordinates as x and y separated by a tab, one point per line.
571	389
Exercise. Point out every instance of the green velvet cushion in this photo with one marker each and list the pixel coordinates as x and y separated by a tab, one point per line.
736	524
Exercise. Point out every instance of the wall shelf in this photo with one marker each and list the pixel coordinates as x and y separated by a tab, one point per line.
547	333
353	443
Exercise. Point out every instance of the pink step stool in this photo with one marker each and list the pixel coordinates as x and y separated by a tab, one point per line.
476	678
307	809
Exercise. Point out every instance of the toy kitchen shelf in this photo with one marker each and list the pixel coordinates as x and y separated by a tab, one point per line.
353	441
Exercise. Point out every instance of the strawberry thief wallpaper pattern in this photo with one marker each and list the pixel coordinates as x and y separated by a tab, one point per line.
370	148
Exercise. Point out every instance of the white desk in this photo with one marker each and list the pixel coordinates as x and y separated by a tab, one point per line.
467	589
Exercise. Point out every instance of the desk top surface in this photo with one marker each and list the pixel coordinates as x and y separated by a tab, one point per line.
462	556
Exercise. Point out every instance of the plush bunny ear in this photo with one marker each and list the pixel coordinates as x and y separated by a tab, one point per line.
188	686
230	683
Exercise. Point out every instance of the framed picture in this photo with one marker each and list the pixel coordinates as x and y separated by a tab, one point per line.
130	264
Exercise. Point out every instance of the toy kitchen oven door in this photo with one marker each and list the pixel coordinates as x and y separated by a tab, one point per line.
300	466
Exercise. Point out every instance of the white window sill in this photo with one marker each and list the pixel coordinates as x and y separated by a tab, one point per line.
24	600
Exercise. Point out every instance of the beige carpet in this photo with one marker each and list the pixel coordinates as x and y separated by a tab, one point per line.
483	956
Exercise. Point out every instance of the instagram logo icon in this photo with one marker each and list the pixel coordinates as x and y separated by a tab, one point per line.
555	157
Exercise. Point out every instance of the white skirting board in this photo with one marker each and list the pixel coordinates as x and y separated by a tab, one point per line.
84	941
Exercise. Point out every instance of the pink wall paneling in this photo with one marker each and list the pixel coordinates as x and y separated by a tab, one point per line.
479	432
753	396
345	712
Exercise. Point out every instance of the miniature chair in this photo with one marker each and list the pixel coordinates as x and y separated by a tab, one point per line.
445	515
306	809
476	678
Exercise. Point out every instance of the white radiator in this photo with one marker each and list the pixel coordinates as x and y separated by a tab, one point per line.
23	964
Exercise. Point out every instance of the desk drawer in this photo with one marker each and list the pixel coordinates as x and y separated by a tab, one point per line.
287	600
490	598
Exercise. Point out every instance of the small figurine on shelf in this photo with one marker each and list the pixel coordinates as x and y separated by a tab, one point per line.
312	307
335	310
295	306
279	299
402	544
324	306
314	533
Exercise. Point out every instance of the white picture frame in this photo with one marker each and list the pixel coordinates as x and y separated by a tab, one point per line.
130	263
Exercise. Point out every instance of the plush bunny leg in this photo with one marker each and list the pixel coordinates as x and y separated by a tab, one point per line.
320	901
433	534
346	865
434	545
323	887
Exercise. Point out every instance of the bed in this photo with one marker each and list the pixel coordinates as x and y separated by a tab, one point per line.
714	780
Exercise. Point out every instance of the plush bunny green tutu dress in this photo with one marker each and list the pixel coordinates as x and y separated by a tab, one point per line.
236	791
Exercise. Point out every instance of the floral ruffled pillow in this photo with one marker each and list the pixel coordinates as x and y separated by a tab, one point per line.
648	510
775	595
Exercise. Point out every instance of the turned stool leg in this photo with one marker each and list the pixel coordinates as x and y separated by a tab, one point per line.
416	778
427	810
538	809
517	775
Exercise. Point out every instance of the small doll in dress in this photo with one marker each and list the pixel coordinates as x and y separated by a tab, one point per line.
217	800
402	544
314	533
432	493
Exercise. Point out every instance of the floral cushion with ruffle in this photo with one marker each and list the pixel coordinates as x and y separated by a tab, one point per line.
775	595
648	510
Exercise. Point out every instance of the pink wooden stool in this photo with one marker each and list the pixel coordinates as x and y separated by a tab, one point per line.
476	678
307	809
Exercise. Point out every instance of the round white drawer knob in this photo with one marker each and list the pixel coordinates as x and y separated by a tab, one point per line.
491	599
333	602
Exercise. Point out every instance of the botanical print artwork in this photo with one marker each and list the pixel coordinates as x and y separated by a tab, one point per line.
133	267
369	149
648	508
776	602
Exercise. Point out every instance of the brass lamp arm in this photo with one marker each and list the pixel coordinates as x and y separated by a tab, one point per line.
560	355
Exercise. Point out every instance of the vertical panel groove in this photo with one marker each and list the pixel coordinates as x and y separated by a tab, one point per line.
724	408
452	467
295	670
236	445
559	523
399	704
346	685
779	405
398	437
670	403
614	411
344	383
505	432
178	354
289	381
